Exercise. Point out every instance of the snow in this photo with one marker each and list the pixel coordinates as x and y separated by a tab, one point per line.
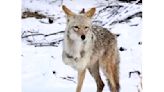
42	67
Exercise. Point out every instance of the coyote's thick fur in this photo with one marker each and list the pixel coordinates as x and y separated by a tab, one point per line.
88	46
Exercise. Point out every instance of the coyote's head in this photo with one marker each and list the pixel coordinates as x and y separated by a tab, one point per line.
78	25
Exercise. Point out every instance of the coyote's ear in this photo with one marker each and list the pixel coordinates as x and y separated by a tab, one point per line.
67	11
90	12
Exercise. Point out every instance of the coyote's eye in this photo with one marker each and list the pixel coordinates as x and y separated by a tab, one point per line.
76	28
86	27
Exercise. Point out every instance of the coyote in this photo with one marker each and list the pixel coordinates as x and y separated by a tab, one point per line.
88	46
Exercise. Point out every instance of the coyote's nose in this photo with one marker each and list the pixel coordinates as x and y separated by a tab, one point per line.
83	37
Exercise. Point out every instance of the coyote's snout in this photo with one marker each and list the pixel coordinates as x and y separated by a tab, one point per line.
88	46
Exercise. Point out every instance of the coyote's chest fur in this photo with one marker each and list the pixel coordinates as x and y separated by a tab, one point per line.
77	54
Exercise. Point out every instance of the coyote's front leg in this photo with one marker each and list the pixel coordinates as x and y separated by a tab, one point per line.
81	76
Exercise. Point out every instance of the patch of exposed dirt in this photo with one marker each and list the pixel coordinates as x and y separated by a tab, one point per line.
35	14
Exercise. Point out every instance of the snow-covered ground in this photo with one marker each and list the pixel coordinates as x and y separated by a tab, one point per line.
42	66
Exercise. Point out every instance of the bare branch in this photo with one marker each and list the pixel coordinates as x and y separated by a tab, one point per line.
36	34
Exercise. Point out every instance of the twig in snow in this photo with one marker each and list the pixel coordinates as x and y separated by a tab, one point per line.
54	33
139	86
36	34
138	72
41	44
137	14
68	78
32	35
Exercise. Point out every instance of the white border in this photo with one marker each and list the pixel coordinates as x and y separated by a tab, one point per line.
153	47
10	46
